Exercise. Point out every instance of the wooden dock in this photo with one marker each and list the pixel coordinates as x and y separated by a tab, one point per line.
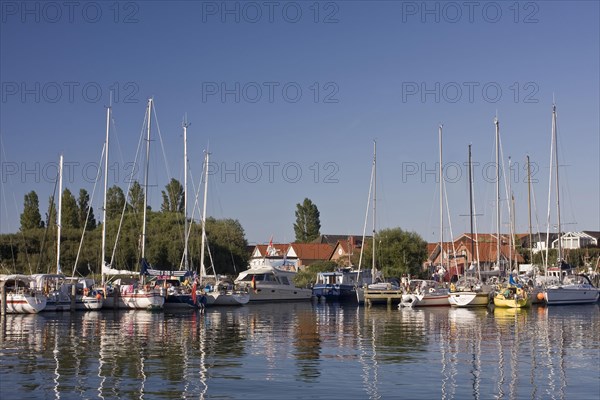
376	296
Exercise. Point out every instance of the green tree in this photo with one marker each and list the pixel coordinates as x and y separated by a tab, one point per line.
173	197
398	253
31	218
83	205
308	224
115	200
70	212
136	197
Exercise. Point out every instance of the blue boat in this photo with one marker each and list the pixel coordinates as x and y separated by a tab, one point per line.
340	285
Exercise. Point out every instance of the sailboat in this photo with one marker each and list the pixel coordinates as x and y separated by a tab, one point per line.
54	285
141	295
423	293
471	292
222	294
572	289
20	297
180	296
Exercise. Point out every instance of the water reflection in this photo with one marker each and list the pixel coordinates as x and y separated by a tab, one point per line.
301	350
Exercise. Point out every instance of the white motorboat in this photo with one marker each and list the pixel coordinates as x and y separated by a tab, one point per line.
271	281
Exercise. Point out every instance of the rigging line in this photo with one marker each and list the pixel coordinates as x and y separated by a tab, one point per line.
450	226
537	222
366	221
87	217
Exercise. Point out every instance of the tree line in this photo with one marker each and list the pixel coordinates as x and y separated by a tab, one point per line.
33	248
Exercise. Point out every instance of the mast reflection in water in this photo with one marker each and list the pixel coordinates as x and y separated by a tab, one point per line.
303	350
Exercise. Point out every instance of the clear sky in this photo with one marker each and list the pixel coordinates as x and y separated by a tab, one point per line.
289	97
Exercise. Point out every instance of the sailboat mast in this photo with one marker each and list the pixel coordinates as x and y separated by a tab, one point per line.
374	272
510	216
59	219
103	257
471	205
146	180
185	196
555	137
497	123
202	267
441	169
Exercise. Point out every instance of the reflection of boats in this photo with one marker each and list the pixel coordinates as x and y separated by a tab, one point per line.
511	296
271	281
425	293
20	297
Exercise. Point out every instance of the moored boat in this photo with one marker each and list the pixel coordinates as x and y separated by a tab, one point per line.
21	298
425	293
512	296
268	281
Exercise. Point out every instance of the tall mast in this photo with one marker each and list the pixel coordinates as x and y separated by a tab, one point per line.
471	205
555	137
103	257
202	267
441	200
497	123
185	195
59	219
529	208
374	272
510	217
146	180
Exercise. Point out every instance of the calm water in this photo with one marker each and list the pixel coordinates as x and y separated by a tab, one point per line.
304	351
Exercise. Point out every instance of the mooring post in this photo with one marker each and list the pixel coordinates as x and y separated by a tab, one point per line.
73	294
3	300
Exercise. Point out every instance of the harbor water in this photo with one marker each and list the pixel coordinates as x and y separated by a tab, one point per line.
304	351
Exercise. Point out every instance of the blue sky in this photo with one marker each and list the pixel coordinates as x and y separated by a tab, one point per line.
290	95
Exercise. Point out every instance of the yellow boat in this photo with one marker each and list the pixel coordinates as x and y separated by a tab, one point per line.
511	297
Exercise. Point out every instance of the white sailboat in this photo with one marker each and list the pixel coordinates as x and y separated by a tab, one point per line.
572	289
20	297
140	295
424	293
471	292
221	294
54	285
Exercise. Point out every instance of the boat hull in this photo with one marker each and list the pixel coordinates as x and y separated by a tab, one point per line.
227	299
143	300
502	302
340	293
183	302
426	300
19	303
571	294
469	299
277	293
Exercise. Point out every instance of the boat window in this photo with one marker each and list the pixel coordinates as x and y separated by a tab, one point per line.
284	280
